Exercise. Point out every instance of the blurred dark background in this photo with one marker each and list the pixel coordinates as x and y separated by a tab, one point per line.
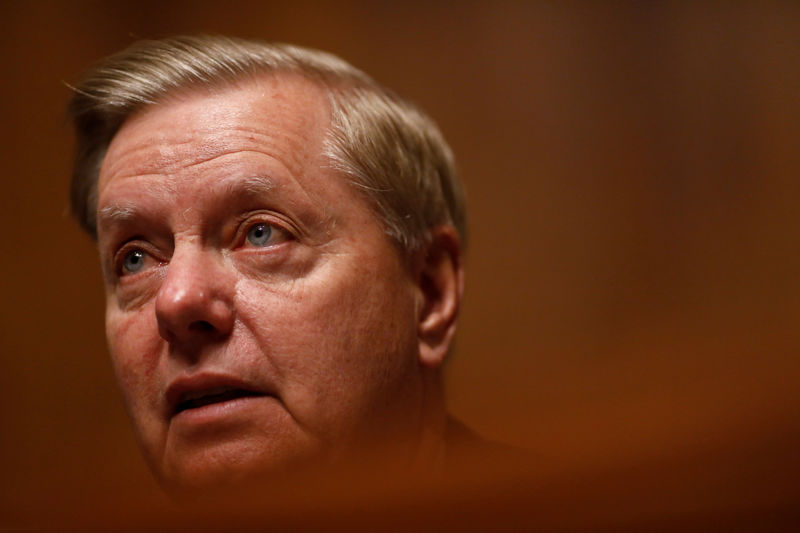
632	287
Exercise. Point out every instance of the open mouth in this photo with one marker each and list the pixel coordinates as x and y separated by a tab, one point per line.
194	400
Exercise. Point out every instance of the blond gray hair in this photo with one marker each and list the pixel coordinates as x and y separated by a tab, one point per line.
387	148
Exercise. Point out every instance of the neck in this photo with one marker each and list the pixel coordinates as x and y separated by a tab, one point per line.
430	449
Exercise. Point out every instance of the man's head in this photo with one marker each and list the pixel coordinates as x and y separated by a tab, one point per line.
280	239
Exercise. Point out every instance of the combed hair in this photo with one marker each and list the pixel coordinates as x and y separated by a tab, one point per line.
386	147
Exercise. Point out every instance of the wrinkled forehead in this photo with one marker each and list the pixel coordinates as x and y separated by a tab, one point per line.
284	114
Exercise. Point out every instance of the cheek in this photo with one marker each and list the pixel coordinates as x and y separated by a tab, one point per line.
329	313
134	345
338	344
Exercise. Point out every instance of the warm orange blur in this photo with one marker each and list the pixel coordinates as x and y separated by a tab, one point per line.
632	283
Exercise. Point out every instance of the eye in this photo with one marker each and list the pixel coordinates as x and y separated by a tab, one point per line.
133	261
259	234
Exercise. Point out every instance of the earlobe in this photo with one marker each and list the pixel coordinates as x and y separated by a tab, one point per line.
440	278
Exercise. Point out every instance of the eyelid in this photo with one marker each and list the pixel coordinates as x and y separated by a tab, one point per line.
118	258
280	232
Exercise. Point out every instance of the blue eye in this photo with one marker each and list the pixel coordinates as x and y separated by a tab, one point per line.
133	261
259	234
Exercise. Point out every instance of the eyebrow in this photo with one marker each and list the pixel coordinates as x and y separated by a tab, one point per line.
117	213
251	186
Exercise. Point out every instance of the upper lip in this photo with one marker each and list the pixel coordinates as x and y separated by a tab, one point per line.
196	386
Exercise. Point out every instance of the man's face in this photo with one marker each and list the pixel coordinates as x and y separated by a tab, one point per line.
257	314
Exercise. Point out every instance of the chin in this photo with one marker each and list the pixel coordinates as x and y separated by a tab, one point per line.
233	464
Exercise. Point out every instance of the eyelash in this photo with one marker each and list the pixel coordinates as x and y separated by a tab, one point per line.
131	246
278	231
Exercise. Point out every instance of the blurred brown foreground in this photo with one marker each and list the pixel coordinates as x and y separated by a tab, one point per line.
479	493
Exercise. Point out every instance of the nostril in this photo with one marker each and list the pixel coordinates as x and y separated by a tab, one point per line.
201	325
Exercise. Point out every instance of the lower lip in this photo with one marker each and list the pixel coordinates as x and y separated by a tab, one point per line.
221	413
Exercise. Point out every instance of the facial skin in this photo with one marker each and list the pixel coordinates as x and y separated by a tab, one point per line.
241	270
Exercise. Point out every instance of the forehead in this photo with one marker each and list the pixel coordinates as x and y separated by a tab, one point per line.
284	117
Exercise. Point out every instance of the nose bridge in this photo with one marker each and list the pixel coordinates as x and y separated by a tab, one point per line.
194	299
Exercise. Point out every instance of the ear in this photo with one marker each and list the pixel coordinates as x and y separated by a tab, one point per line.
440	280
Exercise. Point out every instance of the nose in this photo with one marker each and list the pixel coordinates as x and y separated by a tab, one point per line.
194	303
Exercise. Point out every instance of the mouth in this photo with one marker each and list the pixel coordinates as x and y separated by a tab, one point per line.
190	393
202	398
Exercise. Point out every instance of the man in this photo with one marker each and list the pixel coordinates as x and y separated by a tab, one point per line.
281	241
